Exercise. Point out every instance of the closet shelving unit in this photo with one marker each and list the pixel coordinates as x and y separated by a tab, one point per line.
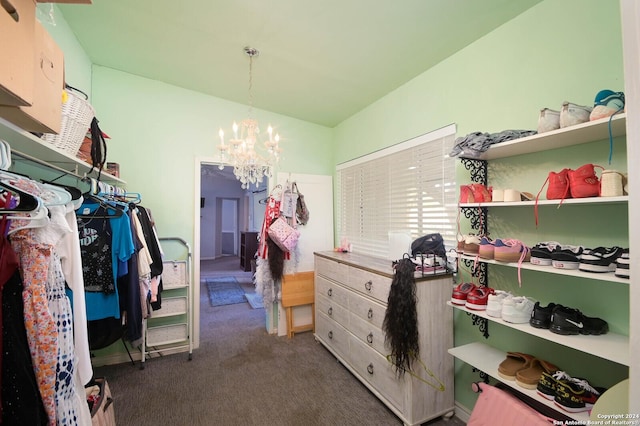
611	347
170	328
30	147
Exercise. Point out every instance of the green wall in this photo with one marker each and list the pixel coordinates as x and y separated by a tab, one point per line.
558	50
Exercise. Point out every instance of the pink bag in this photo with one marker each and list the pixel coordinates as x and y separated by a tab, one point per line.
285	236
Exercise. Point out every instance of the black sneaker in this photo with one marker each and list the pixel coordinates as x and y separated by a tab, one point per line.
549	383
567	321
622	265
567	257
541	253
577	395
541	317
601	259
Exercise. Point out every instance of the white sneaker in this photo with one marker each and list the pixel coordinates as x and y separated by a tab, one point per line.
517	310
494	303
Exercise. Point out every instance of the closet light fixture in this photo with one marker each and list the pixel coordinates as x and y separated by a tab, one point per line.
249	166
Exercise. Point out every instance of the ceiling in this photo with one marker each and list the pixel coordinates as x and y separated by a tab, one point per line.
320	61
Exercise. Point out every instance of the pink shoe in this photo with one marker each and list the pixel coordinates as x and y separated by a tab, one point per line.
509	250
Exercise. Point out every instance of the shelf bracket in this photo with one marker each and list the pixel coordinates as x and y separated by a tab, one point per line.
482	323
477	169
484	376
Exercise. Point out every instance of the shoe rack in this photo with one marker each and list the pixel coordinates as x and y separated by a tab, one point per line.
482	356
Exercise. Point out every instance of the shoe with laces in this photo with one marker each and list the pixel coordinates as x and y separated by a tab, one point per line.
576	395
566	257
494	303
549	382
471	245
584	182
510	250
601	259
559	187
517	310
478	298
486	248
460	293
569	321
541	316
541	253
622	265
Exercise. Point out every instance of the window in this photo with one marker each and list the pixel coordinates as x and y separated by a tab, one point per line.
409	187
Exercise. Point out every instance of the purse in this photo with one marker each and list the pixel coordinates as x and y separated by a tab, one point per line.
283	234
302	212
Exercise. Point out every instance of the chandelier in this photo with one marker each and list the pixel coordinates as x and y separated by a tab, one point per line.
249	166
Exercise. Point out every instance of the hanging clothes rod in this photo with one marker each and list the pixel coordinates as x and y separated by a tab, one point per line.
45	164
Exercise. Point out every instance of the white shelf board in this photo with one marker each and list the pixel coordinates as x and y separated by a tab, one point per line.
591	200
487	359
27	143
575	135
601	276
610	346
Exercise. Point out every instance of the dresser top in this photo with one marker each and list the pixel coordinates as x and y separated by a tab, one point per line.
377	265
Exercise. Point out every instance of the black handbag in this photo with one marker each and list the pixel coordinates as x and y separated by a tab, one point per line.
430	244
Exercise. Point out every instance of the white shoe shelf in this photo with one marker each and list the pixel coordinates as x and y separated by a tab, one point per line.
487	359
602	276
610	346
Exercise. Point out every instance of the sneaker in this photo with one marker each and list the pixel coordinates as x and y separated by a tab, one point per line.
494	303
517	310
460	293
486	248
601	259
572	114
541	253
576	395
568	321
471	245
559	187
478	298
622	265
584	182
566	257
549	382
541	316
509	250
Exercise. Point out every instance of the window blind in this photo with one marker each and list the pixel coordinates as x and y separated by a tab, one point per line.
408	187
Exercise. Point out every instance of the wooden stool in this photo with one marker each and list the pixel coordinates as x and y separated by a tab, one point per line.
298	290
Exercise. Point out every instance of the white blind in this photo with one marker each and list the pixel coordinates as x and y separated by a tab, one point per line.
408	187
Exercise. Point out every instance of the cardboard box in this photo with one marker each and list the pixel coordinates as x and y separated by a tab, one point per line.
17	32
45	113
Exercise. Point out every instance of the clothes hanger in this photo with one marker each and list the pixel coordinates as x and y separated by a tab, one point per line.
26	201
437	384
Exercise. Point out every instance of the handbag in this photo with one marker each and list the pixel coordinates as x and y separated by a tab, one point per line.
302	212
281	233
288	203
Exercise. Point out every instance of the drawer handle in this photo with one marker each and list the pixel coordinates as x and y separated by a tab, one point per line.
370	368
370	313
329	292
330	310
330	334
368	285
370	338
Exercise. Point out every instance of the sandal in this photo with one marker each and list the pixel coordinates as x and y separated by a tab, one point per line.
514	362
529	377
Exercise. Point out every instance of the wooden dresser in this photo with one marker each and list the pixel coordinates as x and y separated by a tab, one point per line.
351	298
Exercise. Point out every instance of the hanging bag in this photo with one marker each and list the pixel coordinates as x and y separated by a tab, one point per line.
288	203
302	212
281	233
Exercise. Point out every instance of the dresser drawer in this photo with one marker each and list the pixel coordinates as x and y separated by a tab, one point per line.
375	369
369	334
333	310
367	309
334	292
374	285
333	336
331	269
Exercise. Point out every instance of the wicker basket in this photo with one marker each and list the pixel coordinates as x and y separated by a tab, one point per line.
77	114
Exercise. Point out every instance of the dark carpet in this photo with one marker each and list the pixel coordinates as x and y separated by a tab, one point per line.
224	291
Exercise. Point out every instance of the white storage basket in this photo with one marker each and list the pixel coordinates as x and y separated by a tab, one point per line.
77	114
